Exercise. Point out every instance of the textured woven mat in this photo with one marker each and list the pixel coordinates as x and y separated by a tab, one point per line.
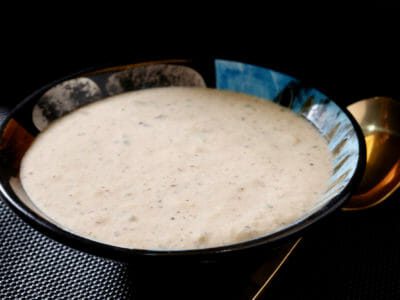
35	267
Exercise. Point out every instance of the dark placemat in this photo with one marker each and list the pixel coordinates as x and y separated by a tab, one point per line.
354	256
35	267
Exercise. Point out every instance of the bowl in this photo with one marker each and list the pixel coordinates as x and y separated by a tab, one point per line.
37	111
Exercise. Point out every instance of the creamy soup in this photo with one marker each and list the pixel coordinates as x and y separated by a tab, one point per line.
177	168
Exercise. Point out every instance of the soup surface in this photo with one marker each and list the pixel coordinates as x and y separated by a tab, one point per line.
177	168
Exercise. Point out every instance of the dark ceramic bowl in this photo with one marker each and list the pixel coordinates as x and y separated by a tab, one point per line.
34	114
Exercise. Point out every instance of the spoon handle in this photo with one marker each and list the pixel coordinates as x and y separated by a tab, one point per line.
266	272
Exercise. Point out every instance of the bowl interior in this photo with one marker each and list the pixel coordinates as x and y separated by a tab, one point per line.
55	100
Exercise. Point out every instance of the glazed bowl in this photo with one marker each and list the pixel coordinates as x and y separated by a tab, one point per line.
37	111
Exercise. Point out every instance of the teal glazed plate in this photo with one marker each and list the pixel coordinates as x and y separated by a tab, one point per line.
20	126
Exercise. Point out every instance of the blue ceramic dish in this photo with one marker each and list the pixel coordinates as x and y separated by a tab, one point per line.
38	110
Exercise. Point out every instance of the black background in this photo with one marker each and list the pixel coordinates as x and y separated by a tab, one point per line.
349	56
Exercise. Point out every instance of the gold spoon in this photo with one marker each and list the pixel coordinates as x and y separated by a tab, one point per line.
379	119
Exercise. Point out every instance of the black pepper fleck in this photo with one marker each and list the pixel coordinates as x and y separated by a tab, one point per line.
143	124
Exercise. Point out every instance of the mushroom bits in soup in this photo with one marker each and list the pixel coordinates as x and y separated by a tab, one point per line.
177	168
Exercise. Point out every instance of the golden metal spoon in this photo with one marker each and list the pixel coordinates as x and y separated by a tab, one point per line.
379	119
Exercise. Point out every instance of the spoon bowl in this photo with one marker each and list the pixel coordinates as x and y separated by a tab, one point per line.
379	119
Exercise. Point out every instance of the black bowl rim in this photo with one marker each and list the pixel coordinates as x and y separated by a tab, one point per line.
125	254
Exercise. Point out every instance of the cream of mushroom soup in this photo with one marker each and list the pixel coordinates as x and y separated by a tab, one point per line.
177	168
